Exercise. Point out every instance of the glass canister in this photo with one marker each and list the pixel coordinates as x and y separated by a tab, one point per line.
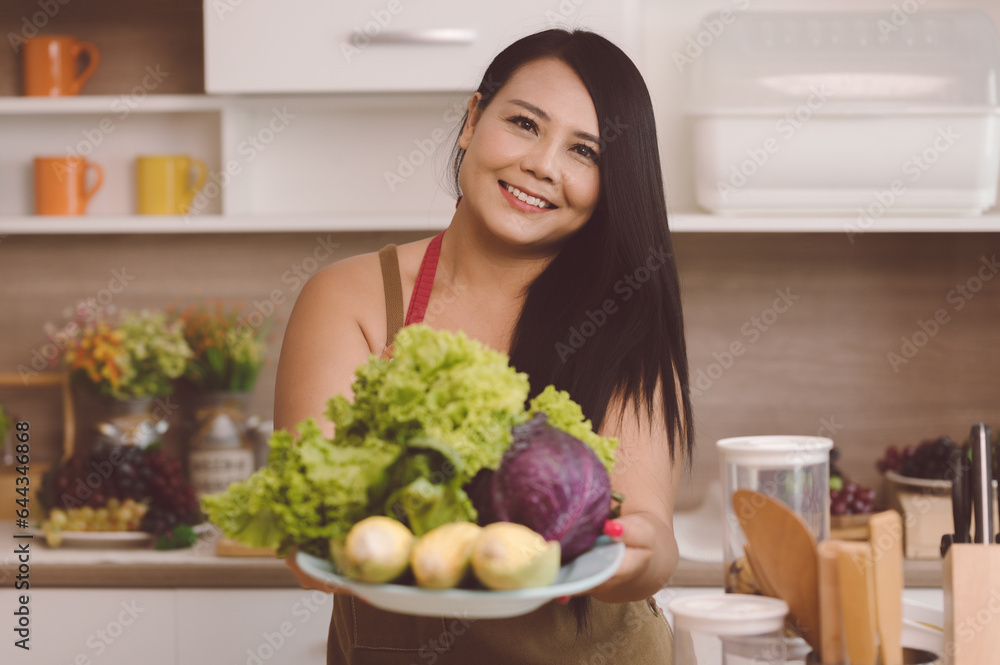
729	629
793	469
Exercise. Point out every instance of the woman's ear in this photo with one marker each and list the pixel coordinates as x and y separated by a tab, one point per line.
470	123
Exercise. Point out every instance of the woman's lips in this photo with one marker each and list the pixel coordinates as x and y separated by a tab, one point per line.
518	203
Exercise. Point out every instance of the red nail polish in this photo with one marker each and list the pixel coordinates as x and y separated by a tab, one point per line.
562	600
613	529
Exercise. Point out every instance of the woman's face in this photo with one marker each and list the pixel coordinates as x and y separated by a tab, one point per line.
530	172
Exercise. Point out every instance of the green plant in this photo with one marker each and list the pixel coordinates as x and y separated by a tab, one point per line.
5	423
227	353
139	354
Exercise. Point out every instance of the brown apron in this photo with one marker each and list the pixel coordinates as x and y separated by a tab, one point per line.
634	633
625	633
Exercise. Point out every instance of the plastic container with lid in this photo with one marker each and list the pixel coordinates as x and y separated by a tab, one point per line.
793	469
729	629
860	114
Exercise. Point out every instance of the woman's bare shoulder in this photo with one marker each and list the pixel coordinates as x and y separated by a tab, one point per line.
352	288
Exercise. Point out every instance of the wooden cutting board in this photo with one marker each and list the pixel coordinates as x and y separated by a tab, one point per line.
229	547
785	550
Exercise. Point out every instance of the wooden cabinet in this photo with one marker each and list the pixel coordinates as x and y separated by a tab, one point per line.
381	45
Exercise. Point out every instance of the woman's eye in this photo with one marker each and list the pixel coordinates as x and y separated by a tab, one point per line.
588	152
524	123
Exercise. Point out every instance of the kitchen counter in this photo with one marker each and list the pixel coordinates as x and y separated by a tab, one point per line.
200	567
145	567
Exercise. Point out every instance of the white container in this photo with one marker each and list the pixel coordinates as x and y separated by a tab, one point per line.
729	629
793	469
859	114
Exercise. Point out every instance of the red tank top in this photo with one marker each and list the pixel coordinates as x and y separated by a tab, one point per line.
425	282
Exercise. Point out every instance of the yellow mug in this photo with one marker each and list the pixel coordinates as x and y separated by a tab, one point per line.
163	183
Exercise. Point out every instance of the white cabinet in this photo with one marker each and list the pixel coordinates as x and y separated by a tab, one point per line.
272	626
382	45
91	626
173	626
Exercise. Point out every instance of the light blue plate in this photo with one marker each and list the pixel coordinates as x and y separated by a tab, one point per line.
583	573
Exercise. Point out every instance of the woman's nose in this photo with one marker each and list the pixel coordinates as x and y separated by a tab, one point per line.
542	161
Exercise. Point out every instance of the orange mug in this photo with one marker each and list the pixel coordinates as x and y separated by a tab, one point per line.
51	63
61	185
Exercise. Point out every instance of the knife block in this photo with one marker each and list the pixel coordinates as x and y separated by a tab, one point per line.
971	604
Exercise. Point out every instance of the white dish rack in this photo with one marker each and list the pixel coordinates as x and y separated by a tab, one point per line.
859	114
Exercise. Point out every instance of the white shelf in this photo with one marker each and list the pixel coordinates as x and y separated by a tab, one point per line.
705	223
117	105
110	104
679	223
109	224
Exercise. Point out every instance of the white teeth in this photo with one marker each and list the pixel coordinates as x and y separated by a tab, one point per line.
537	202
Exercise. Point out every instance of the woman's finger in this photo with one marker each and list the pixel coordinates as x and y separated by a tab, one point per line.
309	582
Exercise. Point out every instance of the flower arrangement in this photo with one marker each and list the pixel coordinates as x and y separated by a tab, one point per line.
135	355
228	352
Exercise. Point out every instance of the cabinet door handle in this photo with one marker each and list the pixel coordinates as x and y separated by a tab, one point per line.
433	36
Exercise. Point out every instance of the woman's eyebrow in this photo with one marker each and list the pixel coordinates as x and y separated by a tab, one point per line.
545	116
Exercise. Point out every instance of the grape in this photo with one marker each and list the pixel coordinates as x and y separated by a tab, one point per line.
132	479
852	499
928	460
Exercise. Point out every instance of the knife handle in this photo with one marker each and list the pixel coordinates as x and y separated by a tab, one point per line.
982	483
961	512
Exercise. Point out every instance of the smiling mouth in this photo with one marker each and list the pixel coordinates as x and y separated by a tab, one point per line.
524	197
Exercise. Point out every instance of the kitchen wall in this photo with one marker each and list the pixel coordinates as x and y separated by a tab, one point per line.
813	316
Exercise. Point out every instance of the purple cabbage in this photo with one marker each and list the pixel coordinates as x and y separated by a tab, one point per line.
554	484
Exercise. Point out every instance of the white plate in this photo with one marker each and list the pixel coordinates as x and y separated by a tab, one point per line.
101	539
943	485
583	573
110	539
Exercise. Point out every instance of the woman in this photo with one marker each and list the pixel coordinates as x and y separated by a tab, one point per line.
558	253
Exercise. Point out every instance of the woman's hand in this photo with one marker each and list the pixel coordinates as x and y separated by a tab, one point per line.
648	477
649	558
309	582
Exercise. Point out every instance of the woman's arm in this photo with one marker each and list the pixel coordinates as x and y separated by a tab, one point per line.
648	479
323	344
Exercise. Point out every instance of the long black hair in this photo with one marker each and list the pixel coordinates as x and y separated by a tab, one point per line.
603	320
